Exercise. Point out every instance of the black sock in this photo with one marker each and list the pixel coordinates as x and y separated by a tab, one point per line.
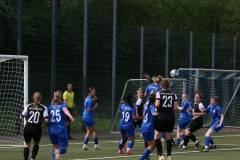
193	138
35	151
158	145
25	153
186	140
68	130
169	147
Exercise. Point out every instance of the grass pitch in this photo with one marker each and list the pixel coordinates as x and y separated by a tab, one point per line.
228	147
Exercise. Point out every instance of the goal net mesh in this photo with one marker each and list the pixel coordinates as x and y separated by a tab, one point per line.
11	101
177	85
222	83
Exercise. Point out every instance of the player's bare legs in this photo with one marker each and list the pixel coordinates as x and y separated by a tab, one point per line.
91	130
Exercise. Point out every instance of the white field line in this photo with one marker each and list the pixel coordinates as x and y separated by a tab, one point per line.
182	152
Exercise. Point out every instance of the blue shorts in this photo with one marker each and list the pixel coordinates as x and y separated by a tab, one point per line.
88	121
148	136
213	127
59	137
128	132
183	123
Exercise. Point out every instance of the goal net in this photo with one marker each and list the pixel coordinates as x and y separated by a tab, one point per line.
222	83
177	85
13	97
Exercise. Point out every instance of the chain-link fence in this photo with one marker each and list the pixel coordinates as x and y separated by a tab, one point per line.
76	39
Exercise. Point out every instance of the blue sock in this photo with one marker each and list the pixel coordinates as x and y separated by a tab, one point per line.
53	155
163	135
95	140
63	150
183	136
178	141
120	144
131	144
86	141
211	141
207	140
145	154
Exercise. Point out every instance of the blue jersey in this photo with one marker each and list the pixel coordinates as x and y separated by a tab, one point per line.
184	113
216	112
151	88
89	103
148	119
126	121
57	118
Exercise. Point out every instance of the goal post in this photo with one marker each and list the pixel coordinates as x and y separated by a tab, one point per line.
222	83
177	85
13	98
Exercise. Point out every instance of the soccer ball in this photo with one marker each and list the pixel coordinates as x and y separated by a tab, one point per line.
174	73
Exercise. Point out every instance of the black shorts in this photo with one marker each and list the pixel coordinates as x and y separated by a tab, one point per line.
195	125
138	123
165	123
68	118
32	132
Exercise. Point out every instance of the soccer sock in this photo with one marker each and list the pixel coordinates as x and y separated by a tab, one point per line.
26	153
178	141
35	151
207	140
211	141
68	130
53	155
158	145
86	141
186	140
145	154
62	150
193	138
169	147
182	136
120	144
95	140
124	141
163	136
131	144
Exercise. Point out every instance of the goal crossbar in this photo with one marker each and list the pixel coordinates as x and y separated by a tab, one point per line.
141	83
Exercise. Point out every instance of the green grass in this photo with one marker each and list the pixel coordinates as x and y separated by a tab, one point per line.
228	147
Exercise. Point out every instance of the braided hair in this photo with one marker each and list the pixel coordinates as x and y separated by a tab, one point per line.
152	99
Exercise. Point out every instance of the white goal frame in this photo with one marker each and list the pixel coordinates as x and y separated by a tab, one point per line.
183	80
21	64
215	76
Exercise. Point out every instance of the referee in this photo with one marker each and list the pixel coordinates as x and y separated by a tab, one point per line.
68	98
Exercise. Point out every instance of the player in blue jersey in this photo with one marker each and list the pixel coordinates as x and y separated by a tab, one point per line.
126	124
217	123
147	130
35	113
185	118
153	87
196	122
166	104
88	113
57	129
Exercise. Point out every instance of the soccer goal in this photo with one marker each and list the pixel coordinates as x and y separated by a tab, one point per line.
177	85
222	83
13	98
